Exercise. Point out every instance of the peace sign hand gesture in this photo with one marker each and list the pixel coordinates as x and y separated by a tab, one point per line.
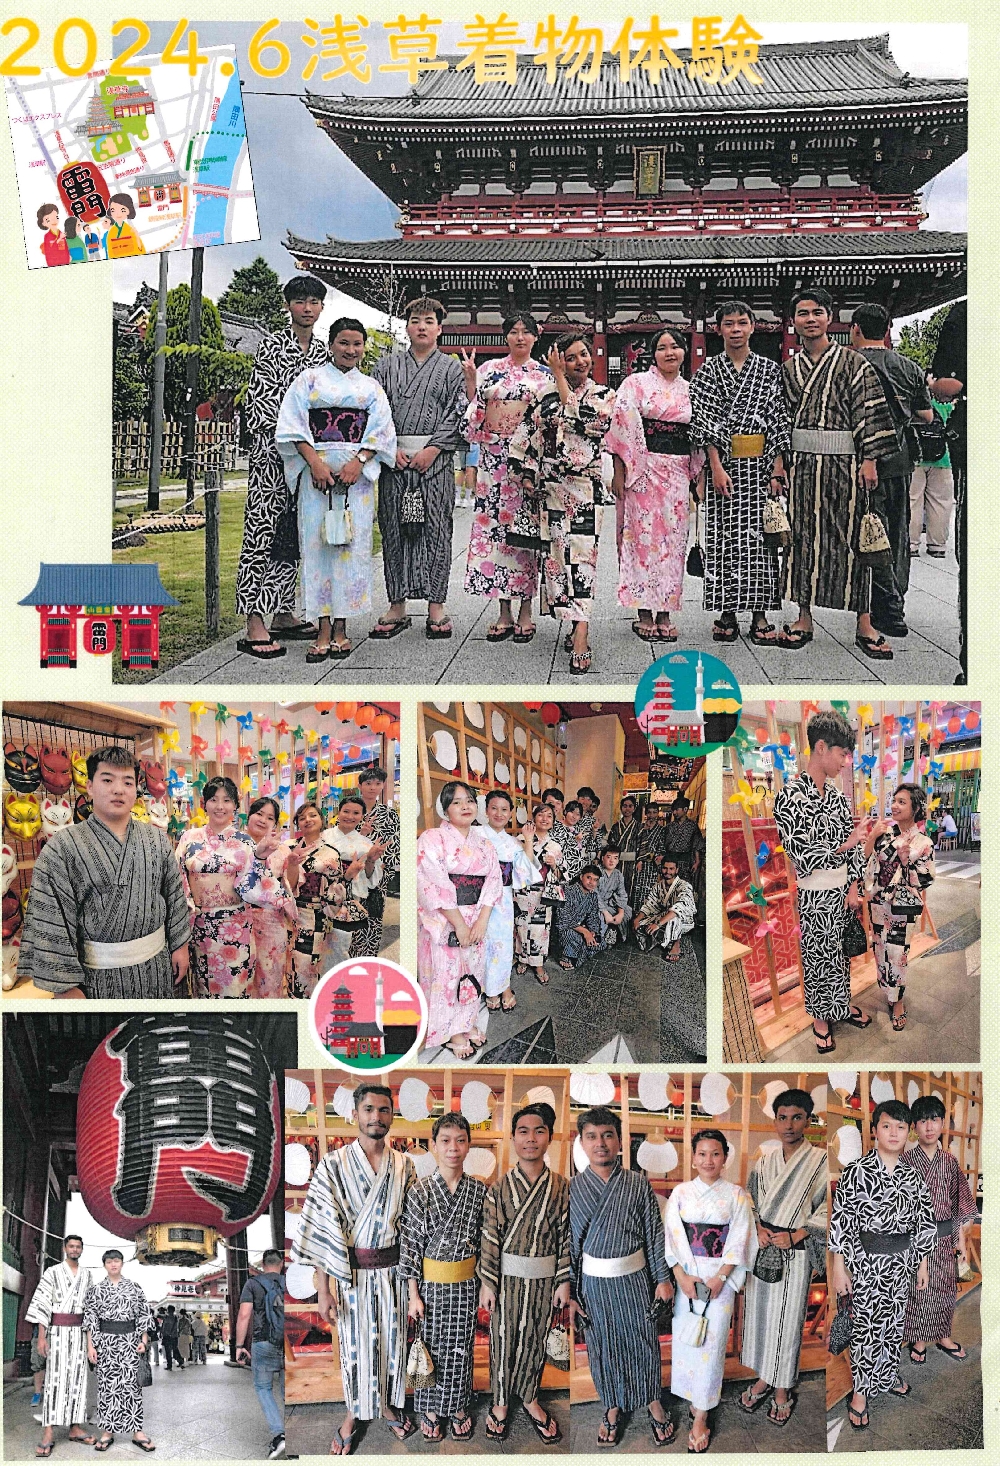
468	360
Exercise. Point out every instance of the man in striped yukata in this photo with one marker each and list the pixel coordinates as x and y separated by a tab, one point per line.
416	500
57	1309
350	1234
621	1279
107	916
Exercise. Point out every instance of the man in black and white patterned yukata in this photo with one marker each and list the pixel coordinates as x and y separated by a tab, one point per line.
816	825
882	1232
739	416
381	822
265	587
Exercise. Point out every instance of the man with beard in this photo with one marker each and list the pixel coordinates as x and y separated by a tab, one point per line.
350	1233
57	1309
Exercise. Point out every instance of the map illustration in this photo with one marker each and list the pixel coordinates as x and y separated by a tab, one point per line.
111	165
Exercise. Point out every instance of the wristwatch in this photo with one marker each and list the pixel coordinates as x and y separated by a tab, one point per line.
365	455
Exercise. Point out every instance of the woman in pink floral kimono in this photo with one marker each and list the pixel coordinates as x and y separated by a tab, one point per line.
223	879
458	884
654	468
272	924
504	542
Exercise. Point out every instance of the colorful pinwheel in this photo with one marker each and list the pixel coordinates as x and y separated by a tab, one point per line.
757	896
221	713
200	780
265	725
171	741
766	927
298	733
866	714
746	797
245	720
763	854
199	818
223	750
868	761
199	746
281	728
167	707
197	708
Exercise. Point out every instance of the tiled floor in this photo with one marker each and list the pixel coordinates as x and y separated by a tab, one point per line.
309	1430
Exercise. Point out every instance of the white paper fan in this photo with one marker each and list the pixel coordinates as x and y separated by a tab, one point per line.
476	1098
343	1102
771	1092
821	1098
848	1141
501	772
715	1094
535	784
881	1089
477	758
475	714
300	1281
444	749
579	1155
521	815
297	1095
442	707
438	807
480	1162
293	1221
536	750
520	737
912	1091
413	1095
592	1089
424	1163
540	1095
499	726
842	1081
657	1159
654	1090
938	1095
298	1166
522	778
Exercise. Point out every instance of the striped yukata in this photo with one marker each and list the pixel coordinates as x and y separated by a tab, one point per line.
788	1194
428	401
523	1219
444	1226
88	886
350	1205
61	1291
615	1219
929	1314
677	897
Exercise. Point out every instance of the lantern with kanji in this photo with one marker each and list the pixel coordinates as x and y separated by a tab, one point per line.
177	1135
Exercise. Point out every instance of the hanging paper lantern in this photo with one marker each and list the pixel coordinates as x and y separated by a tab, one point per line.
760	734
210	1163
550	714
345	711
971	721
381	723
394	732
354	751
954	725
532	707
364	715
323	707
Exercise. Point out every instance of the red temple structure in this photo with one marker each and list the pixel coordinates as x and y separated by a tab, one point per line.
340	1020
102	595
621	205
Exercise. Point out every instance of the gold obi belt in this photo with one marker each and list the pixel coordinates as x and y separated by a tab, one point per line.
449	1272
746	445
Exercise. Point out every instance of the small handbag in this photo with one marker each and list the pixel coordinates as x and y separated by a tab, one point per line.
854	941
691	1328
769	1264
412	509
419	1366
696	556
874	549
775	525
557	1345
145	1372
285	543
338	522
840	1329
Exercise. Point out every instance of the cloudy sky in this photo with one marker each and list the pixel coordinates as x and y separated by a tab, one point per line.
305	185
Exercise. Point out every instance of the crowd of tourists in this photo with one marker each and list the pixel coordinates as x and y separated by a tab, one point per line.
817	478
237	910
491	904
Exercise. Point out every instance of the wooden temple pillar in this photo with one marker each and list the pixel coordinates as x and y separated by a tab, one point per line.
695	298
600	347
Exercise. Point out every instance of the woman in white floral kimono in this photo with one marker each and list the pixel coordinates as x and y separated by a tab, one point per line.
334	430
711	1242
517	872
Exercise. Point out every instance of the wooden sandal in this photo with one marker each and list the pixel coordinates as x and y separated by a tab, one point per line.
496	1429
645	630
524	634
748	1402
387	626
500	631
580	662
433	1432
508	1007
919	1356
466	1420
876	648
858	1418
345	1443
612	1428
789	1408
727	628
792	639
541	1427
825	1042
662	1431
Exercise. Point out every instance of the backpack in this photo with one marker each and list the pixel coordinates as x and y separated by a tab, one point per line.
274	1309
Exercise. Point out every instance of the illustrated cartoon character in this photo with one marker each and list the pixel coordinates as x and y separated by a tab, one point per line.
57	814
56	772
75	245
54	245
24	818
94	239
121	239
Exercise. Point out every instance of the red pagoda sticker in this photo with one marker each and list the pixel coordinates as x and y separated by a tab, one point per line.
688	703
368	1014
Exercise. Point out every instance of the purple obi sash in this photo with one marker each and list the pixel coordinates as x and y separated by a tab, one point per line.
338	424
468	889
707	1239
666	437
507	872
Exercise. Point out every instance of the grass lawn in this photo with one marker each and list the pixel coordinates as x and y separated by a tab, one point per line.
181	558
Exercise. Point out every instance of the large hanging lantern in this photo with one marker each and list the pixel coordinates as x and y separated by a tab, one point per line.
177	1135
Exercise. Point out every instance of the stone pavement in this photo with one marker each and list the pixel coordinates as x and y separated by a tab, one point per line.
942	996
928	656
733	1431
204	1412
309	1430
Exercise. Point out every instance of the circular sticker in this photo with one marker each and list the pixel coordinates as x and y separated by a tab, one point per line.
368	1014
688	703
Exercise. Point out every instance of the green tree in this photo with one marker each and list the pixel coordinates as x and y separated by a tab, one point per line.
218	367
255	291
377	345
130	399
918	339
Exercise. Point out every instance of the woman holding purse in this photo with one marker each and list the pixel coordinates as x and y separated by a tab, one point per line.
711	1242
900	869
362	866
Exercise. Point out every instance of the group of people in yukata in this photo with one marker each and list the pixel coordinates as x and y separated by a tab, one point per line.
838	865
489	902
826	433
387	1247
899	1235
98	1319
633	1269
115	912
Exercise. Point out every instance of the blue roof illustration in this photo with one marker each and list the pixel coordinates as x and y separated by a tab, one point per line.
99	585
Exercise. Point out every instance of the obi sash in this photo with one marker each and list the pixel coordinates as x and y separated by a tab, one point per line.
823	441
507	872
116	1325
449	1272
124	954
746	445
504	417
367	1259
885	1243
946	1228
667	437
706	1239
66	1321
513	1265
468	889
613	1267
338	424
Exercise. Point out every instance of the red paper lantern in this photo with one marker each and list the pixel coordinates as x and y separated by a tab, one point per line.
83	191
394	731
363	717
972	722
785	739
889	723
532	707
323	707
382	723
212	1160
550	713
354	751
760	734
346	710
954	725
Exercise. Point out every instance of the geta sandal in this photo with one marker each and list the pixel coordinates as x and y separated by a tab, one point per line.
524	634
144	1443
299	631
958	1353
318	654
792	639
508	1007
496	1429
500	631
44	1449
346	1443
876	648
644	630
662	1431
541	1426
857	1019
433	1433
699	1450
468	1422
726	629
387	626
611	1427
763	634
748	1402
902	1394
789	1408
339	650
493	1005
402	1427
105	1443
825	1042
665	632
858	1418
898	1024
580	662
438	630
919	1356
253	649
